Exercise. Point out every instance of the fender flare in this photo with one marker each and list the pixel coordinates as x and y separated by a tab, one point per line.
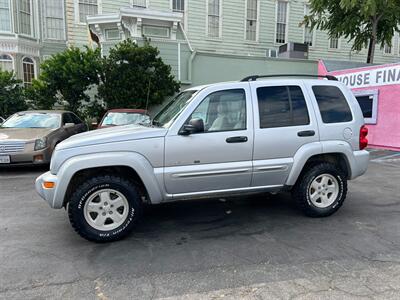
325	147
147	173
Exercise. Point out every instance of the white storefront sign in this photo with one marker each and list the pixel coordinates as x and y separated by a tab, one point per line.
375	77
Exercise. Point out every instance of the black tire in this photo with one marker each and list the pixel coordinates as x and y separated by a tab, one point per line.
300	191
82	193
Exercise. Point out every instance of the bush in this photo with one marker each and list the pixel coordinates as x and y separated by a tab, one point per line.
12	97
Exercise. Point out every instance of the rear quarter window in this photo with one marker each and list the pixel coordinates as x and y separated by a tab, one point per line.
332	104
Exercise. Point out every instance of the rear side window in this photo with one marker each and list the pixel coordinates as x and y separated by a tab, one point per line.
282	106
332	104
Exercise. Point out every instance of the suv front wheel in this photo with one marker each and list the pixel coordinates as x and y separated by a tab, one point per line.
104	208
321	190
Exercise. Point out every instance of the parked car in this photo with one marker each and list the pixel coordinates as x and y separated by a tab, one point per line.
301	135
29	137
118	117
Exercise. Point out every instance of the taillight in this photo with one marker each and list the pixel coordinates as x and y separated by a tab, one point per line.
363	137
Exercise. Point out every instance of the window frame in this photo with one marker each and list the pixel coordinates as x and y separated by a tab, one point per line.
219	37
76	11
33	63
287	86
306	11
156	36
329	44
257	20
45	25
11	23
177	10
5	60
286	21
32	27
375	94
107	31
204	99
135	5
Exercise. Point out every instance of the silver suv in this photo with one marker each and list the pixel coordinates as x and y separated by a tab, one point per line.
301	135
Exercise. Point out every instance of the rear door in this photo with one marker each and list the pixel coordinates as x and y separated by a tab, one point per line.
284	121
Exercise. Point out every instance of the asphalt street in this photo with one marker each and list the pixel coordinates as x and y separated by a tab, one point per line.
241	248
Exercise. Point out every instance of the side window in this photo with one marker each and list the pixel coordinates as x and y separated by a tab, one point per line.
76	119
282	106
332	104
67	118
223	111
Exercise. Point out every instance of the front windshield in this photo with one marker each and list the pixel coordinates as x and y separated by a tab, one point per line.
124	118
173	109
33	120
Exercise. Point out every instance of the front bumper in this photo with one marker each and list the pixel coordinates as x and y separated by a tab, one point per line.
45	193
40	157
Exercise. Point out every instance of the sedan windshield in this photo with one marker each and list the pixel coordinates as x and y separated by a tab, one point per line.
124	118
33	120
173	109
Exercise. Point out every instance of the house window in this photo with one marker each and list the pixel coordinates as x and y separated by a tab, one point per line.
281	22
28	68
308	33
25	17
5	17
54	13
113	34
368	101
251	20
214	18
6	63
178	5
333	43
140	3
387	49
156	31
87	8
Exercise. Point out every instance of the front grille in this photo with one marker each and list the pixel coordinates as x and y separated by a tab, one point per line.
11	147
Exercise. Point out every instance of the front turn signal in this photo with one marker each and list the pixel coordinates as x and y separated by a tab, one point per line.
49	184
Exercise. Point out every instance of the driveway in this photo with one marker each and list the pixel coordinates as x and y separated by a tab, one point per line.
246	248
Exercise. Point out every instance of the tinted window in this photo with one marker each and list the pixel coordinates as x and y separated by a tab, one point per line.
76	119
281	106
366	104
332	104
223	110
67	119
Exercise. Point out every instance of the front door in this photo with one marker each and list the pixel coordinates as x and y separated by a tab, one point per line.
220	158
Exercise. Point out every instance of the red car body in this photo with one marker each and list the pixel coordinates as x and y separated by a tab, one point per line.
122	112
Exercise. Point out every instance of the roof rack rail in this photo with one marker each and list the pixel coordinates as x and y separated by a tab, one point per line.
255	77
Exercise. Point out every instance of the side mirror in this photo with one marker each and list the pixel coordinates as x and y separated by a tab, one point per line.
194	126
69	125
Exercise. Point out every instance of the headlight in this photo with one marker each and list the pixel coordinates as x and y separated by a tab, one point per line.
40	144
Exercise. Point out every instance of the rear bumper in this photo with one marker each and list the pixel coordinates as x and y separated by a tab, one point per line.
360	163
47	194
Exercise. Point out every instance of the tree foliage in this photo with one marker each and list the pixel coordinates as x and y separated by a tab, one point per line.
364	22
66	77
12	98
133	74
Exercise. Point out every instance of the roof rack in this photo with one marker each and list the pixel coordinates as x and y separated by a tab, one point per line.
255	77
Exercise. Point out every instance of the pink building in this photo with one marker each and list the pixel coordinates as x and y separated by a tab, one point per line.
377	89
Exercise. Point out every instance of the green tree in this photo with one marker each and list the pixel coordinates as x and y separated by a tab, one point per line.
41	95
66	77
365	22
12	98
133	74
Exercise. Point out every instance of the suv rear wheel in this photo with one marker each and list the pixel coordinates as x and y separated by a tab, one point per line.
104	208
321	190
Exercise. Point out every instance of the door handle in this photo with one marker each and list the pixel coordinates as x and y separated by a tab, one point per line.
236	139
306	133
